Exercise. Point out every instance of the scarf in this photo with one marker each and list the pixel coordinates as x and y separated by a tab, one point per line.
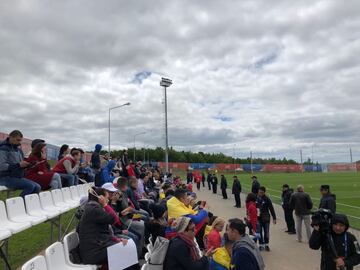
191	245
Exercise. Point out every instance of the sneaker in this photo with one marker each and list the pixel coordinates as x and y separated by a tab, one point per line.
287	231
267	248
291	232
261	248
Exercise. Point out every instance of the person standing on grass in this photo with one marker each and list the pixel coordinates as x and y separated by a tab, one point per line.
288	211
302	204
13	165
209	177
189	177
255	185
203	178
197	178
236	190
223	186
265	206
214	182
328	200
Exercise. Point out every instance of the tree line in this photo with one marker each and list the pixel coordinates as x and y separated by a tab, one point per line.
158	154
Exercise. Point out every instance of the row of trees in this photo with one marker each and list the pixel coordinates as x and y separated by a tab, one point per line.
157	154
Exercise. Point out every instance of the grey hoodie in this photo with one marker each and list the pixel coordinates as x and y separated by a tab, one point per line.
248	243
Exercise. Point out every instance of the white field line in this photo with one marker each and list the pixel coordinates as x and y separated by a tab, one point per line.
317	199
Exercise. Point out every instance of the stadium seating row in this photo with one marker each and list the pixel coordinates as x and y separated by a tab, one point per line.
18	214
58	257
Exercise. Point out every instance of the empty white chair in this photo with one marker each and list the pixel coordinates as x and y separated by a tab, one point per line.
55	259
71	241
47	203
5	223
81	190
74	193
33	207
16	212
36	263
67	197
59	200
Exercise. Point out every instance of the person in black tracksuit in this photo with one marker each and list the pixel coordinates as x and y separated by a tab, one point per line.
255	185
236	190
288	211
265	206
214	183
223	186
209	177
189	177
203	178
346	245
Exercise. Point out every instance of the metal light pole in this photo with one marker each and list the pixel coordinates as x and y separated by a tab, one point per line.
137	134
112	108
166	83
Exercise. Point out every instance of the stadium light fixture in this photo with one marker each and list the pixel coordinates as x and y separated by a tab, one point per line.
165	82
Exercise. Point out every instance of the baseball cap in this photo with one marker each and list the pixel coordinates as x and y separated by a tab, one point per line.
109	187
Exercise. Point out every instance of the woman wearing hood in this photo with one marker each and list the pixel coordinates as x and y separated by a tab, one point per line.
346	245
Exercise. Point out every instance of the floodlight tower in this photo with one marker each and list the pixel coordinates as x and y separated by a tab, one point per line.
166	83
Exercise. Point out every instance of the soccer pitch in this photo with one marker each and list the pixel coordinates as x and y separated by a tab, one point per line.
345	185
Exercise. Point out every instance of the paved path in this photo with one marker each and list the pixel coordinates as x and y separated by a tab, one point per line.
286	253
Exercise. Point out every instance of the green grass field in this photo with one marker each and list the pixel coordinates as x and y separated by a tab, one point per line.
346	186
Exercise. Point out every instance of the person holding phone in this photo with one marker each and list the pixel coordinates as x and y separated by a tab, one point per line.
95	235
12	165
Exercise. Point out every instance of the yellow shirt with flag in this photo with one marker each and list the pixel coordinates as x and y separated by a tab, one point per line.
178	209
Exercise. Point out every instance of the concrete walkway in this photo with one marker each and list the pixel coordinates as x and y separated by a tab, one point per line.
286	253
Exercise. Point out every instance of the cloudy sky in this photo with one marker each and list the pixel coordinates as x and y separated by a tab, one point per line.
270	77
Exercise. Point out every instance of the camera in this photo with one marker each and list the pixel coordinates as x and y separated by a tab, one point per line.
322	218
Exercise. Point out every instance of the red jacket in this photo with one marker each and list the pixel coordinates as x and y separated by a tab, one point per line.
214	239
60	168
32	173
130	171
197	177
251	212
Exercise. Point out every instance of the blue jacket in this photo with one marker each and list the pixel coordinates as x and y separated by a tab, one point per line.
10	158
95	157
106	176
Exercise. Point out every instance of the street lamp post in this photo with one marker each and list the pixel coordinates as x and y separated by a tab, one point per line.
166	83
141	133
112	108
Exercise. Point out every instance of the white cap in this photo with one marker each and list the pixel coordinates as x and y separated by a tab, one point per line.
109	187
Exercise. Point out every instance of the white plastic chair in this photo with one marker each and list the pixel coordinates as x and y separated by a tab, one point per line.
71	241
36	263
5	223
80	190
4	234
67	197
59	200
55	258
16	212
74	193
33	207
47	203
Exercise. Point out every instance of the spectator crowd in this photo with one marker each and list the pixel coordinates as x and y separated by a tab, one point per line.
136	201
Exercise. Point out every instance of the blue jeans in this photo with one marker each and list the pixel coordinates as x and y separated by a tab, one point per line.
70	179
27	186
264	232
